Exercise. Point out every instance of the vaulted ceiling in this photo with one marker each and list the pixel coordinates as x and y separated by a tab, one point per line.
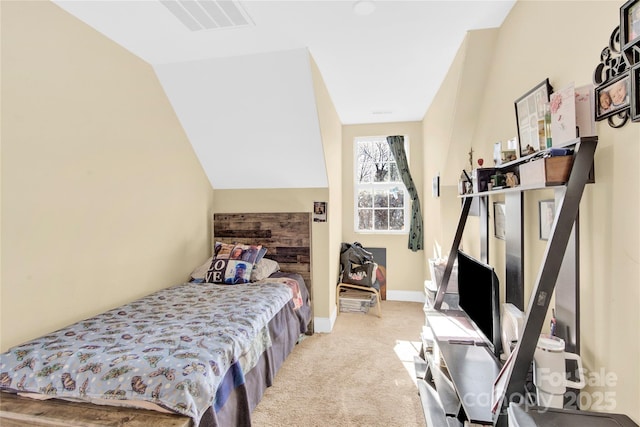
238	73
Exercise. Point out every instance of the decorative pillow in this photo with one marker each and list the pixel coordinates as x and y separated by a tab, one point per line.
263	269
232	263
201	271
261	254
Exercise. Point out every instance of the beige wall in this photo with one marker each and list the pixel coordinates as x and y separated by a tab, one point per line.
405	268
331	131
325	236
103	199
566	50
449	127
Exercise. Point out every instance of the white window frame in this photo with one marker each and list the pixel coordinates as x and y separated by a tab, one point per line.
357	186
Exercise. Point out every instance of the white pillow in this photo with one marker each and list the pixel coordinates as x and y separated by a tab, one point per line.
201	271
265	268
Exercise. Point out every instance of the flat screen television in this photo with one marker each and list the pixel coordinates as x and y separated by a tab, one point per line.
479	297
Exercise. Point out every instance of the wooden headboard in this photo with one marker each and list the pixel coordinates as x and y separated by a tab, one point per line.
286	235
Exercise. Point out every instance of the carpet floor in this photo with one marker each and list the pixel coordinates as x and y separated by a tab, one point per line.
360	374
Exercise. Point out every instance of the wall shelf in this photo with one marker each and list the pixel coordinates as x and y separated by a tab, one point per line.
560	257
516	189
513	165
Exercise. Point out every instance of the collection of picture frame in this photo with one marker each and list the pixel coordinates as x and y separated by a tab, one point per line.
616	80
546	215
616	99
617	94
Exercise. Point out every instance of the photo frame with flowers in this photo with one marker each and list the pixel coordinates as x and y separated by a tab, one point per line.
529	112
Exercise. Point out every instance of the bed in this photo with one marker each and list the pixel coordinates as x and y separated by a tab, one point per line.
205	351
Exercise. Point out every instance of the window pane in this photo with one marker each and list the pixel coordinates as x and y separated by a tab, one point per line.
364	172
396	197
394	173
365	199
382	219
365	219
379	156
377	150
396	220
381	199
382	172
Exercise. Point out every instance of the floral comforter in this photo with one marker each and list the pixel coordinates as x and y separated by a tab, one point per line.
171	348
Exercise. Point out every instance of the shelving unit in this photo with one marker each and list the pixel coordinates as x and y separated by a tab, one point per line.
559	263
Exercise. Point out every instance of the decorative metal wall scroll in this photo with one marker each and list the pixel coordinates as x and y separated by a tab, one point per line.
617	76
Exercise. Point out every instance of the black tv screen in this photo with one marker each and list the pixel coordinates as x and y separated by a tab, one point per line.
478	291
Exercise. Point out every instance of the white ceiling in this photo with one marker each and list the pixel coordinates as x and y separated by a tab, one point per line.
391	61
251	119
382	67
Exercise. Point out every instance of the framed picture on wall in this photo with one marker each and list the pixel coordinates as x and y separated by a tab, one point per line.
499	218
547	213
613	96
320	211
529	115
630	23
435	186
635	93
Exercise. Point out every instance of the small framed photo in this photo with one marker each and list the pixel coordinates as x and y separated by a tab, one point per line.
320	211
635	93
630	23
529	114
547	213
435	186
499	220
508	156
612	97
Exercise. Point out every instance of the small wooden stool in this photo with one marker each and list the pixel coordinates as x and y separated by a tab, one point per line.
361	288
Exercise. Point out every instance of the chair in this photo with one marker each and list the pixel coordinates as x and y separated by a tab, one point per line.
360	288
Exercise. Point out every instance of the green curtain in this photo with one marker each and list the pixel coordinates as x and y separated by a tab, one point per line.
416	237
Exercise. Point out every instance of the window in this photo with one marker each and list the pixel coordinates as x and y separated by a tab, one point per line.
379	195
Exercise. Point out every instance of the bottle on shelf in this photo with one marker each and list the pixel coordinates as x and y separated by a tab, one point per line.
547	124
542	138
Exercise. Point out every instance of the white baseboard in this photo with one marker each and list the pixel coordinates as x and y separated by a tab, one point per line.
409	296
325	324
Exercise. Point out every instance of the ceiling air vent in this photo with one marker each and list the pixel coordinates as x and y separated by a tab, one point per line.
199	15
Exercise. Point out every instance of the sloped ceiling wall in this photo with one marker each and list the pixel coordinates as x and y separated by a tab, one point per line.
252	120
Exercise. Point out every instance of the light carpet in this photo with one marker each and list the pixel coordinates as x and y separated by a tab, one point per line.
360	374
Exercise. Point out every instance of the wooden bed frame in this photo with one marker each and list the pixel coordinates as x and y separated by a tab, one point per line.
16	411
288	239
